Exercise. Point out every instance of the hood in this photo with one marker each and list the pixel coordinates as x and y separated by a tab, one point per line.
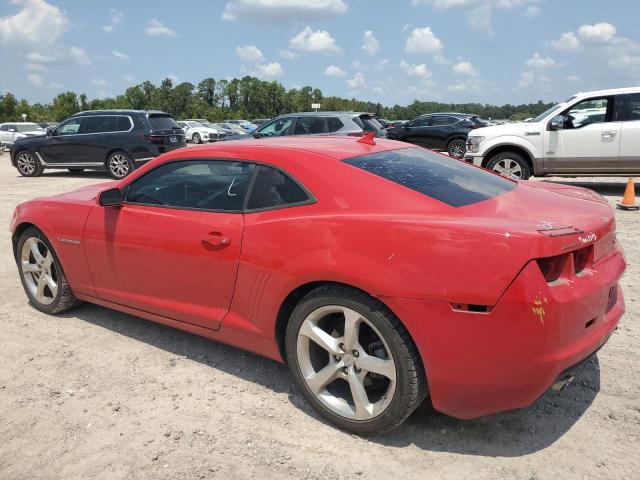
82	195
507	129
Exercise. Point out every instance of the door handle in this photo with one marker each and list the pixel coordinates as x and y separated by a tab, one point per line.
609	133
216	240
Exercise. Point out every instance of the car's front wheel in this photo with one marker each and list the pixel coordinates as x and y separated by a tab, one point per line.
457	148
41	274
196	138
119	165
28	165
353	360
511	165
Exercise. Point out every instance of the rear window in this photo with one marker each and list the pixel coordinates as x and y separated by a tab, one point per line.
162	122
367	123
445	179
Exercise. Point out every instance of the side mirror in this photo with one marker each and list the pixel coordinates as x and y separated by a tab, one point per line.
12	130
256	134
557	123
110	198
49	131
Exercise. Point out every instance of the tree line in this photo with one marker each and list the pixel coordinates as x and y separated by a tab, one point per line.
248	98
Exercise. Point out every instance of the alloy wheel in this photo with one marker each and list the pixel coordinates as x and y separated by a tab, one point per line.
457	149
26	163
509	168
39	270
346	363
119	165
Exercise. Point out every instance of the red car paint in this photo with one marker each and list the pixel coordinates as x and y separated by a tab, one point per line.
492	333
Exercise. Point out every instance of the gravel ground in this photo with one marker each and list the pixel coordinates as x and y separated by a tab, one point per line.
99	394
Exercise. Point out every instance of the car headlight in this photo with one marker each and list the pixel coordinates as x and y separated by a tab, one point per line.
473	144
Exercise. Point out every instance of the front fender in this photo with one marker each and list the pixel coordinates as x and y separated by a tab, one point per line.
528	144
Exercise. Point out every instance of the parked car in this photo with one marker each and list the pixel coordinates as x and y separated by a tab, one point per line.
12	131
259	121
591	133
196	132
373	268
439	131
314	123
236	129
115	140
46	125
227	132
384	122
248	126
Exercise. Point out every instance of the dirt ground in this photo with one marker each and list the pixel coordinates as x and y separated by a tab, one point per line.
100	394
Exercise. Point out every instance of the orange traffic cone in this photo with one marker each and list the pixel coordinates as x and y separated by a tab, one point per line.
629	198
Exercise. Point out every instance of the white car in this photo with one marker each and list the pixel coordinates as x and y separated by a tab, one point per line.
591	133
11	131
198	133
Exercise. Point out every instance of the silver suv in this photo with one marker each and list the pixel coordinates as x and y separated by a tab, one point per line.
321	123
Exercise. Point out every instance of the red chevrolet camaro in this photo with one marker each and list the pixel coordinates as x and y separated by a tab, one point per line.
380	272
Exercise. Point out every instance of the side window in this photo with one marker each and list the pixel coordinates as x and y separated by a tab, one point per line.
629	111
419	122
273	188
334	124
4	128
195	184
441	120
593	110
276	128
70	127
310	125
100	124
124	124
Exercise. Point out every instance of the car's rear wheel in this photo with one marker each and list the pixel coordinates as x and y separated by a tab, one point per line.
353	360
28	165
457	148
511	165
41	274
119	165
196	138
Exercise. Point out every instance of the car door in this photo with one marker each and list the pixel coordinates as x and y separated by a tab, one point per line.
630	134
416	130
173	247
439	129
61	146
98	136
589	141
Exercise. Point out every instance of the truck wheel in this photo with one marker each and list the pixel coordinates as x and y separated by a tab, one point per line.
511	165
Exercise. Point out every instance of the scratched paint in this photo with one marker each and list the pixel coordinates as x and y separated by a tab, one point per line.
538	307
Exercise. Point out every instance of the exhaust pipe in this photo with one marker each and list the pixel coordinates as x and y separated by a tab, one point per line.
561	383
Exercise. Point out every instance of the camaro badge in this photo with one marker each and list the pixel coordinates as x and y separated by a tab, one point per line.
69	240
538	308
592	237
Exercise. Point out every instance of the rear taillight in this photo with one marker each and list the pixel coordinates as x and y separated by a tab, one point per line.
552	267
156	138
582	258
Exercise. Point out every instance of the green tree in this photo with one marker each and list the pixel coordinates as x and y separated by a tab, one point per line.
64	105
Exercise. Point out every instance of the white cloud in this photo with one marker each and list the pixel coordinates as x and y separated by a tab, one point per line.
415	70
457	87
116	19
567	41
313	41
37	81
101	82
381	64
120	55
37	57
423	40
288	54
269	70
334	71
156	27
526	79
538	61
532	11
250	53
369	43
129	78
173	78
281	11
356	82
598	33
573	78
465	68
37	23
35	67
78	55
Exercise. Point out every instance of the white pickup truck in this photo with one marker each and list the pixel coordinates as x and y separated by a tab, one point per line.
592	133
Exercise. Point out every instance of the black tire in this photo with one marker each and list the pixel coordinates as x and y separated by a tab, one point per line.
75	170
410	384
457	148
119	164
64	299
497	162
196	138
28	164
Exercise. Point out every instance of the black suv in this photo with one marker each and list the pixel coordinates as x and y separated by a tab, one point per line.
439	131
115	140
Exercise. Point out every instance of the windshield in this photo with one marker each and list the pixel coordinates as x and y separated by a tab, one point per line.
557	106
28	127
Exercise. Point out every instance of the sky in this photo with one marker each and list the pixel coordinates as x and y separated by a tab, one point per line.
387	51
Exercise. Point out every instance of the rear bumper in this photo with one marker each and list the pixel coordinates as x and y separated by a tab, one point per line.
483	363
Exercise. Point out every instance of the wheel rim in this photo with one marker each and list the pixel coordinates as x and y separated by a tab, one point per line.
346	363
508	167
196	138
26	163
457	149
119	165
39	270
